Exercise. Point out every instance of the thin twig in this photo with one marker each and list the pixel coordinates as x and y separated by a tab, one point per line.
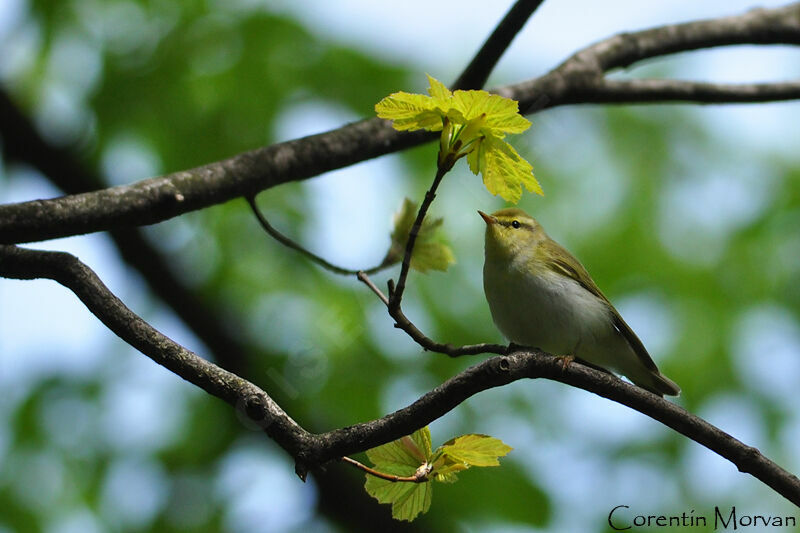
402	322
396	290
389	477
478	70
396	295
289	243
364	277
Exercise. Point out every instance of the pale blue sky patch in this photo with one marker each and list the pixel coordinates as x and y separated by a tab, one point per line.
350	210
134	490
710	478
765	342
259	492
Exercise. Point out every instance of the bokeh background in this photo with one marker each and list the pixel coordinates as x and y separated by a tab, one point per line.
687	216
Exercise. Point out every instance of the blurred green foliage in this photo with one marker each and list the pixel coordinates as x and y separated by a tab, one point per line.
186	83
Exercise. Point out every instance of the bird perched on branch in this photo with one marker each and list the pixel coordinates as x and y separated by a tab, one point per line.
541	296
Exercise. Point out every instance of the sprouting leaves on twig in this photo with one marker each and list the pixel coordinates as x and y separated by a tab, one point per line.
411	457
473	124
430	253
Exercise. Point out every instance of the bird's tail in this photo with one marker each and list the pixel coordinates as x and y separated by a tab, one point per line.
658	383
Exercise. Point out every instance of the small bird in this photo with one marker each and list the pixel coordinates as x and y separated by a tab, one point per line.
541	296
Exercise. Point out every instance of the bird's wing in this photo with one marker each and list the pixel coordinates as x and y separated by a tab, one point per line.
576	271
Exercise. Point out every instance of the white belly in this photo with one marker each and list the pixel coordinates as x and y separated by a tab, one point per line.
551	312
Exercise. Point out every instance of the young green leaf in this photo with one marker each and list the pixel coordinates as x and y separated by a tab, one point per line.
475	450
445	469
504	171
408	499
472	124
410	452
411	457
402	457
430	253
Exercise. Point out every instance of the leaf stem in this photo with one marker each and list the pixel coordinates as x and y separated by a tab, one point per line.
419	477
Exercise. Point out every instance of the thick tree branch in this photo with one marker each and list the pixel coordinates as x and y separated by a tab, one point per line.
578	80
311	450
654	90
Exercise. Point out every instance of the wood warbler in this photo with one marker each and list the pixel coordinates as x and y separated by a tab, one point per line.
541	296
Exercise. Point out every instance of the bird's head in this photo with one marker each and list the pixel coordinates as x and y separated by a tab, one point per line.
511	232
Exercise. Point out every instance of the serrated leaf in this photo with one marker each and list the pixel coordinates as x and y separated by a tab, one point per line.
409	111
392	454
432	256
386	491
410	451
429	252
499	115
404	457
422	438
504	171
476	450
447	470
408	499
437	89
414	503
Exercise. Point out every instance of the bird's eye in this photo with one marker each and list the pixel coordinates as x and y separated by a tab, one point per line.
515	224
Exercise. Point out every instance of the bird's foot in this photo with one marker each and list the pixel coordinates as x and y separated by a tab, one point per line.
566	360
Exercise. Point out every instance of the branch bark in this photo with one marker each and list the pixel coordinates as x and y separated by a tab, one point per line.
579	80
312	450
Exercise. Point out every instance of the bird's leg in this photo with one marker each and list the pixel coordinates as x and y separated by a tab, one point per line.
566	360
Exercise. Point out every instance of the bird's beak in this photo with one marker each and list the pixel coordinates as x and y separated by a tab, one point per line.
489	219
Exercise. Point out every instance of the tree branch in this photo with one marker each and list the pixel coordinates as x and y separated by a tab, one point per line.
578	80
311	450
478	70
656	90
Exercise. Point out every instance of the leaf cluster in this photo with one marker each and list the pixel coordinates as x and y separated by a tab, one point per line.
412	457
